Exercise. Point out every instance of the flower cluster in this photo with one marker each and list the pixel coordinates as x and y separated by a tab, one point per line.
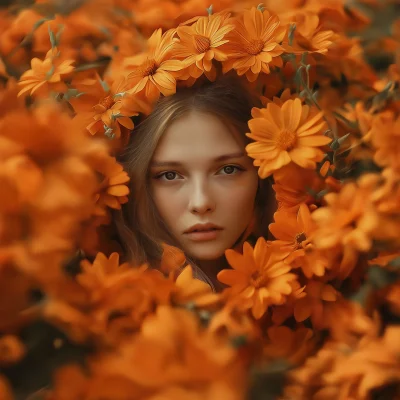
312	312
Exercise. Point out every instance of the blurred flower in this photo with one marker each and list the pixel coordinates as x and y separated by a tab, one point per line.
259	277
309	35
312	305
171	355
113	190
350	217
385	134
291	345
192	291
12	350
294	185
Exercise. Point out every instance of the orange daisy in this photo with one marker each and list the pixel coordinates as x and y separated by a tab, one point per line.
260	277
312	305
290	133
152	72
309	35
254	45
293	231
107	109
202	42
294	185
385	135
47	74
113	190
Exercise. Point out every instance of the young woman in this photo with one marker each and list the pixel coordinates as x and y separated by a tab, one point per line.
192	184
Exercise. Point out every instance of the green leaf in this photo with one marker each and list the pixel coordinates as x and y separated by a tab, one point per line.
53	40
72	93
210	10
395	263
292	29
239	341
261	7
105	86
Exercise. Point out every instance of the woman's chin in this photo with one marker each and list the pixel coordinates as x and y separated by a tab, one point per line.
205	251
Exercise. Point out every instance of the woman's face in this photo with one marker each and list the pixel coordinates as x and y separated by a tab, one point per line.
200	174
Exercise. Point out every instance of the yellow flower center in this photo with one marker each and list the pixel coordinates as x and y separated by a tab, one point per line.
287	139
258	280
202	43
299	239
254	47
148	68
107	102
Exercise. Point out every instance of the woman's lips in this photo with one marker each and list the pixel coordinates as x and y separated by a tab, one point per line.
203	236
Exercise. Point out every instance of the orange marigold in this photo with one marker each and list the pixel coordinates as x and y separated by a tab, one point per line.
309	35
202	42
350	218
174	357
113	190
372	366
385	136
47	74
291	345
293	231
290	133
294	185
152	72
254	44
312	305
106	108
259	277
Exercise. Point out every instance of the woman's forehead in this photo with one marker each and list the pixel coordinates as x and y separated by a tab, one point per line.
198	134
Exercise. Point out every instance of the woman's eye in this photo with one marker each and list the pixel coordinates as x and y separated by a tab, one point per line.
231	169
169	176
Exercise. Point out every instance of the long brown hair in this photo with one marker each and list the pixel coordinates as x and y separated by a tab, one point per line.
140	228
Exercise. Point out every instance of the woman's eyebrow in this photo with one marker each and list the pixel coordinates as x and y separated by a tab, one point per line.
178	164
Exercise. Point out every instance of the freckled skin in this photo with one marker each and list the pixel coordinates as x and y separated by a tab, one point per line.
201	190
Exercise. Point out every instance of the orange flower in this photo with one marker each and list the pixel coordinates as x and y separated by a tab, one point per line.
291	345
98	273
309	35
282	312
189	290
47	74
293	231
173	357
172	260
152	72
295	185
5	389
385	136
259	277
202	42
254	44
107	109
312	305
113	190
350	218
290	133
372	366
117	299
12	350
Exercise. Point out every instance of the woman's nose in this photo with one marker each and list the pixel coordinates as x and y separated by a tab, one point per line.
201	199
